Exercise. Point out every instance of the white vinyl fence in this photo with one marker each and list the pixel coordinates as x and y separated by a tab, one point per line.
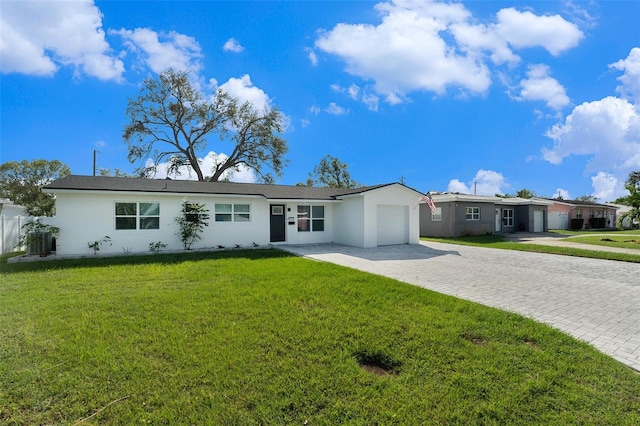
10	232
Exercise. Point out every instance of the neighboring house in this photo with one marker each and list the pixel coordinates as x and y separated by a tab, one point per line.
137	212
459	215
622	209
12	218
593	215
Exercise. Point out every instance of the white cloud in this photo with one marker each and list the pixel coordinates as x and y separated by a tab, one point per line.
232	45
405	52
36	38
422	45
476	38
630	87
313	57
243	89
524	29
207	164
485	182
335	109
607	130
606	187
305	122
562	193
538	86
161	51
315	109
359	94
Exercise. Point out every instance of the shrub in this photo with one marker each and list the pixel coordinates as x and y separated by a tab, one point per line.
576	224
192	221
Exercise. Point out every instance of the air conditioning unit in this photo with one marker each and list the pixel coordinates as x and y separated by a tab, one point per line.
39	243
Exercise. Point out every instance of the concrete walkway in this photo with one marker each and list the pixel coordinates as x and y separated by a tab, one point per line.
594	300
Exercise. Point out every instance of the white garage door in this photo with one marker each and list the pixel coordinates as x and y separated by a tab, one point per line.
393	225
558	220
538	221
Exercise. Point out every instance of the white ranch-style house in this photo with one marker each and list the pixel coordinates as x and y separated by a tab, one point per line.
134	213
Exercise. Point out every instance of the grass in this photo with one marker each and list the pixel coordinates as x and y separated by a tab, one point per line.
499	242
262	337
608	240
596	231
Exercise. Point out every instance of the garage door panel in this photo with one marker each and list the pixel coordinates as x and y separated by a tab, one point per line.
393	225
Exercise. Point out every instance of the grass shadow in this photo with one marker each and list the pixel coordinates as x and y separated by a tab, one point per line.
142	259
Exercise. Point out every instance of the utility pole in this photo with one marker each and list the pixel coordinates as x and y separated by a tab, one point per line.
94	161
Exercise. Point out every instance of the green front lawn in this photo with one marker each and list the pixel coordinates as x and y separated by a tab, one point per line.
610	240
262	337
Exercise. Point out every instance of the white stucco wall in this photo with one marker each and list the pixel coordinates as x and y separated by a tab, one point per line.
348	221
357	215
293	236
392	195
84	217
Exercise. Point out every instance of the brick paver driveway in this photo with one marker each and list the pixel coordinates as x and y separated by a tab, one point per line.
597	301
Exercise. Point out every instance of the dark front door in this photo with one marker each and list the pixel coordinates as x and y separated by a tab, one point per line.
277	222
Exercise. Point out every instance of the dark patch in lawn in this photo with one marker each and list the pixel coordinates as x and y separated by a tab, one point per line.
378	363
632	241
606	239
473	337
531	343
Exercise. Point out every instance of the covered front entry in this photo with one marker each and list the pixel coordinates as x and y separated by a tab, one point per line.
277	223
393	225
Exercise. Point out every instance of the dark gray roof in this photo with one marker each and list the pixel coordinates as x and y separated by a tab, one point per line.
578	203
119	184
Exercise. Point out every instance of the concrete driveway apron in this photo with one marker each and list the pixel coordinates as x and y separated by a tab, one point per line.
597	301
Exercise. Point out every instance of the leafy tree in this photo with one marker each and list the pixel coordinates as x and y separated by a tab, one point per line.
22	183
171	121
588	198
115	173
331	172
525	193
192	221
633	199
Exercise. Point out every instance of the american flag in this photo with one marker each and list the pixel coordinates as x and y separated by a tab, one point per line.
427	199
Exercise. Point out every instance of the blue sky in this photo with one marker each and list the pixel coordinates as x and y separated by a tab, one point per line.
496	96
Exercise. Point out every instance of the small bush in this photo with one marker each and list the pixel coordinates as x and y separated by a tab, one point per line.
576	224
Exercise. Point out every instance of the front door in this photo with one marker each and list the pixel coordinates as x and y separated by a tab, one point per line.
498	221
277	223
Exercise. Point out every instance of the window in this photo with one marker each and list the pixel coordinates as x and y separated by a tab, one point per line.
591	213
578	214
310	218
137	216
436	216
473	213
233	213
507	217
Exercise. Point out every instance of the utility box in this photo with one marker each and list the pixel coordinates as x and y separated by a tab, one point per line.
39	243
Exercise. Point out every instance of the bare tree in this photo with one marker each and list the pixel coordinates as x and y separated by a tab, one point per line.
170	121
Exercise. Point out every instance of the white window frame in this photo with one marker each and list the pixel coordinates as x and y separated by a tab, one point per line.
472	213
236	212
138	216
312	221
436	216
507	219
